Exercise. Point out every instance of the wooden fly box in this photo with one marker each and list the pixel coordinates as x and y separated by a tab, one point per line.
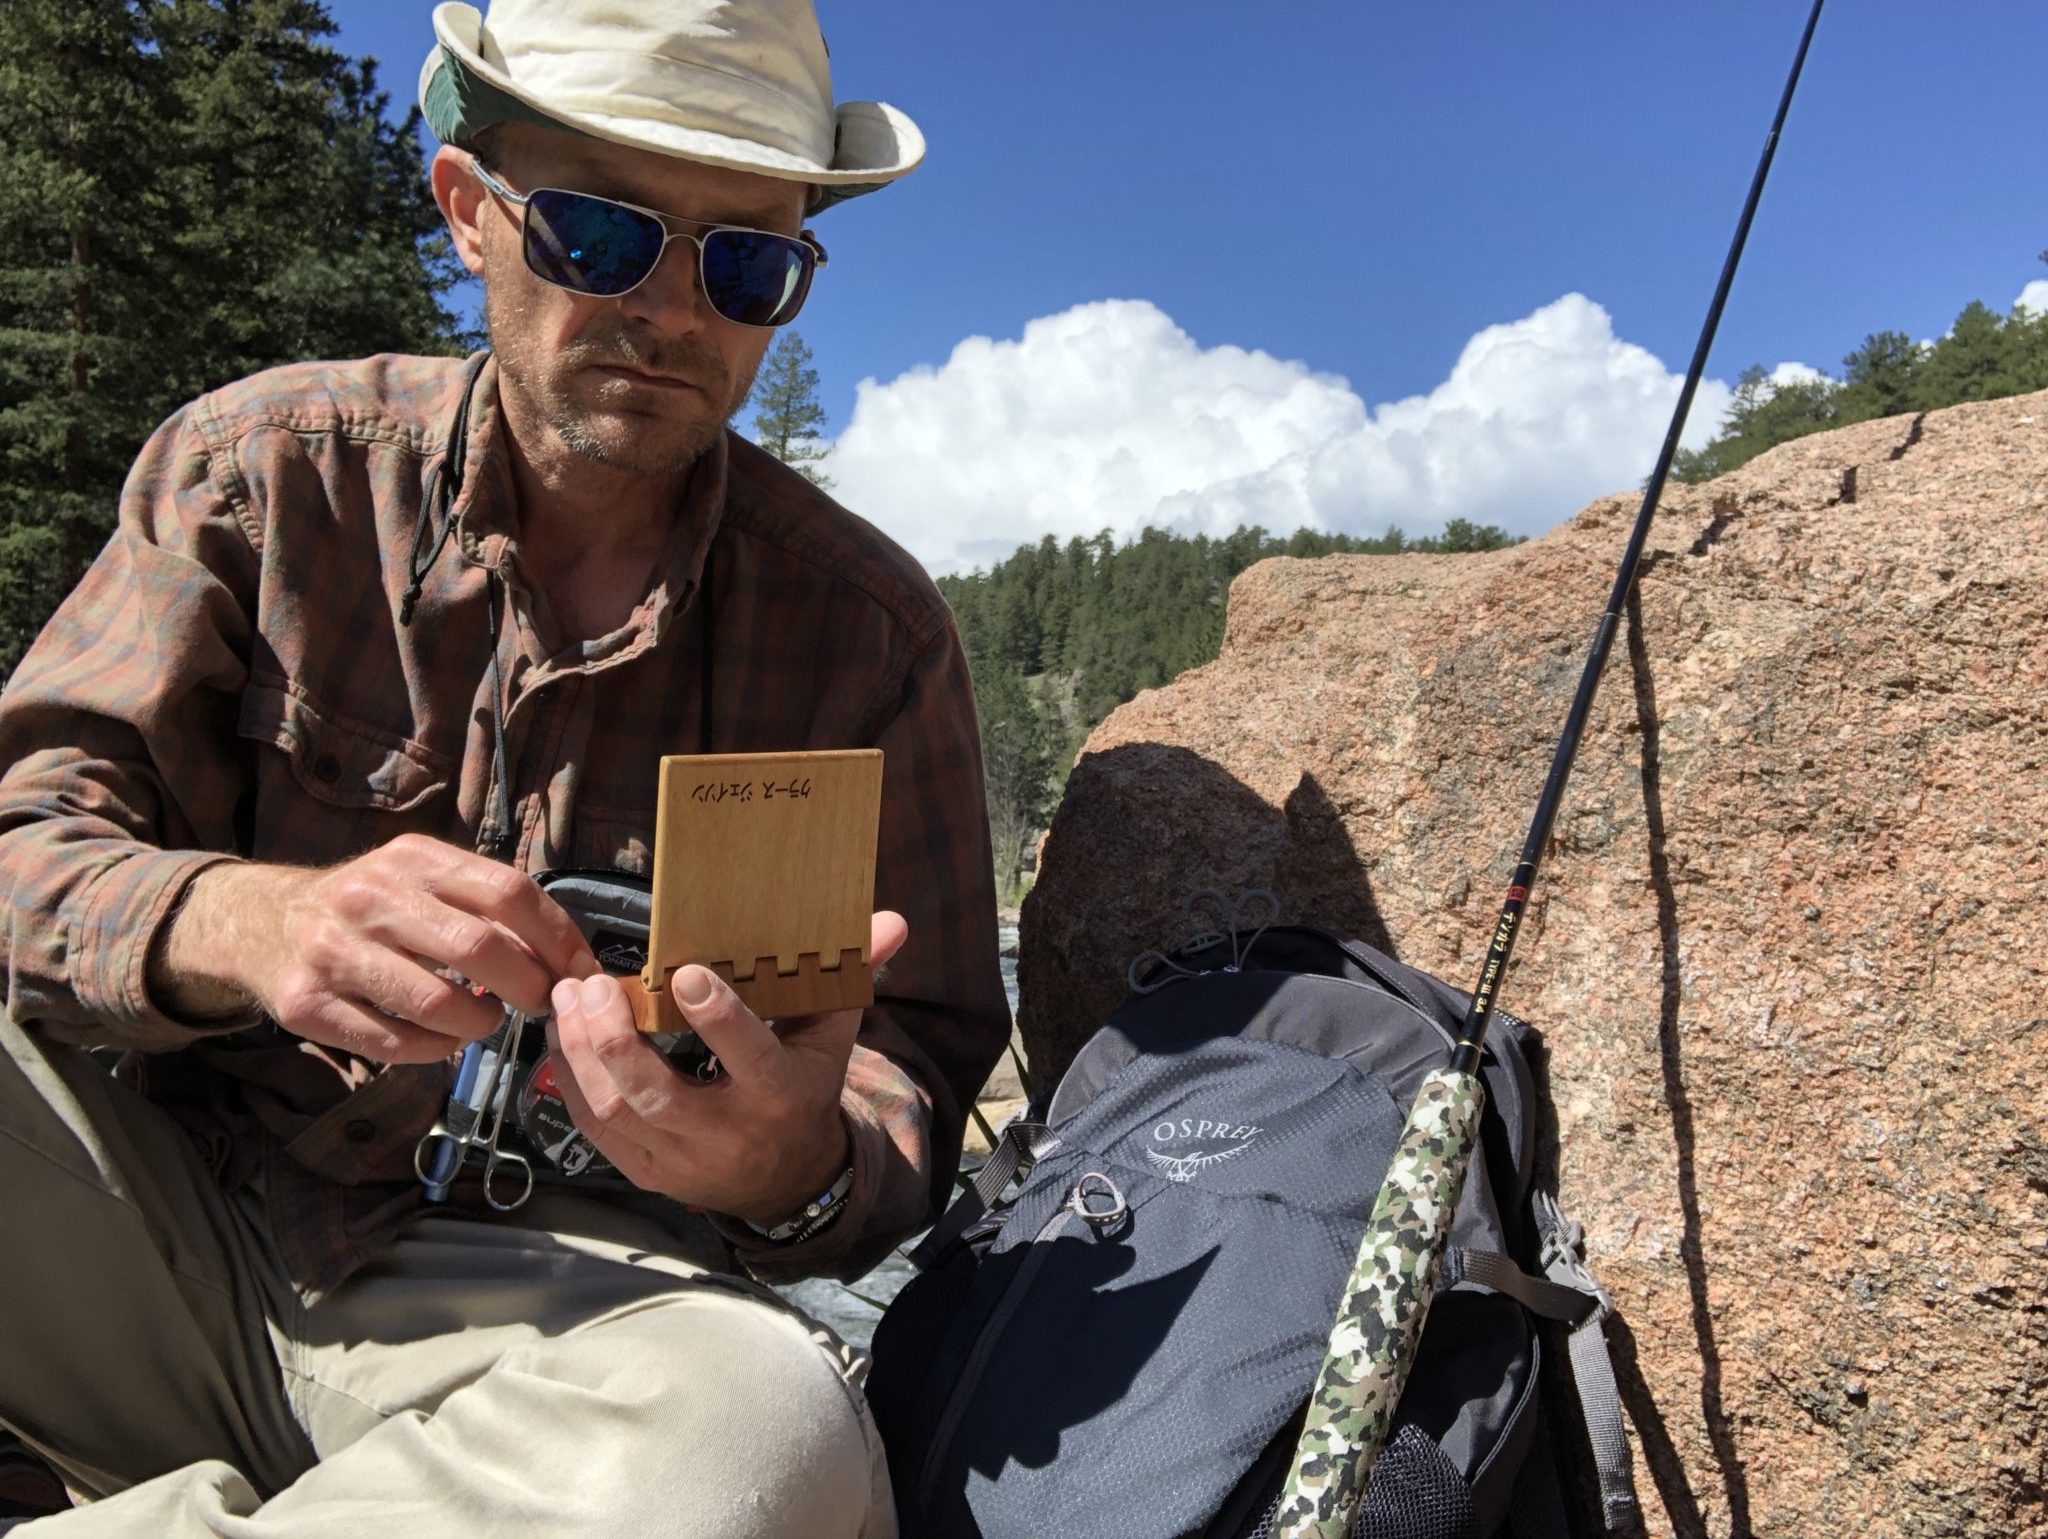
764	872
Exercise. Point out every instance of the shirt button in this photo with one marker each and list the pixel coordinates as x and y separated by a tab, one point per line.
327	769
360	1131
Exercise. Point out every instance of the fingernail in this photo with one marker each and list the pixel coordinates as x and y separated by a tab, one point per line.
694	987
564	995
593	991
584	965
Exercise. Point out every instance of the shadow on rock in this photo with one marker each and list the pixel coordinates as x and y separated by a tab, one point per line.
1142	827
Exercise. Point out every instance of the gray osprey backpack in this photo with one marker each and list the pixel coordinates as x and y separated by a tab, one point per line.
1124	1346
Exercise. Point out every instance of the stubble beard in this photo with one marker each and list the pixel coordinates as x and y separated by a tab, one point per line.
613	433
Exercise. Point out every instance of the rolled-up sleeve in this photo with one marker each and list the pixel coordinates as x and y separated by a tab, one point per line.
941	1017
117	731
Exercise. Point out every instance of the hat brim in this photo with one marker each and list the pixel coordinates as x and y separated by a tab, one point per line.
873	143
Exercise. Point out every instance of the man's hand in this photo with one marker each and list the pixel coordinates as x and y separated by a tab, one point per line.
353	957
756	1142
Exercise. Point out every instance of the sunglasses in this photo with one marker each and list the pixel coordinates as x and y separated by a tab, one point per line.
598	247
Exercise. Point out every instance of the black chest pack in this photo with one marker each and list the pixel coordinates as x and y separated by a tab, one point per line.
1124	1346
506	1112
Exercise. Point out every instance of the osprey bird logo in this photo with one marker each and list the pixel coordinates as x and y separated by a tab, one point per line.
1182	1167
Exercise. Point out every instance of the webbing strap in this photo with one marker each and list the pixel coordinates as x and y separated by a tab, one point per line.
1538	1295
1569	1293
1015	1152
1600	1406
1564	1263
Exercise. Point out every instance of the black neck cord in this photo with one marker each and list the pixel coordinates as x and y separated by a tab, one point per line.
437	497
437	500
498	827
704	606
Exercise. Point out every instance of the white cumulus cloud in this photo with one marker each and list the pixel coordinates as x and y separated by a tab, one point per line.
1110	416
1794	374
2034	297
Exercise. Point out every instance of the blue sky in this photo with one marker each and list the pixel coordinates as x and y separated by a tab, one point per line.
1309	213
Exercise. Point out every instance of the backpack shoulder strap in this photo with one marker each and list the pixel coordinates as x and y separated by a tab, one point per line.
1022	1144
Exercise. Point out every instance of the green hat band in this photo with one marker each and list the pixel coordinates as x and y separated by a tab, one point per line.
459	105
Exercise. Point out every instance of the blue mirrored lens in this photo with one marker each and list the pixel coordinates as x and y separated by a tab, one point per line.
588	244
755	278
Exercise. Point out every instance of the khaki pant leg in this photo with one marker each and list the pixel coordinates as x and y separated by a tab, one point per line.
491	1378
134	1296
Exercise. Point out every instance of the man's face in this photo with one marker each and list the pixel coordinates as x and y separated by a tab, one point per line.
647	381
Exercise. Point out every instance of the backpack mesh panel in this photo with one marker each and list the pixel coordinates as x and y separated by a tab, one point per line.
1416	1493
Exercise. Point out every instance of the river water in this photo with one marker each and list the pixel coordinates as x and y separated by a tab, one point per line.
852	1312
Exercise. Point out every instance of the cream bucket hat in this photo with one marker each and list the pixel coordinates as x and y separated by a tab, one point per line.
738	83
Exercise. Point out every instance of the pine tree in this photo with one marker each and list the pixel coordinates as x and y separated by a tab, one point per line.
78	101
1881	377
1761	415
1461	536
1965	365
1017	769
787	415
190	190
290	166
2025	351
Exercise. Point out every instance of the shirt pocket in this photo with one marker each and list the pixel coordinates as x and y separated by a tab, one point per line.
337	785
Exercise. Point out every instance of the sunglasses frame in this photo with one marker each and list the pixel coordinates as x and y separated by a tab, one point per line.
523	201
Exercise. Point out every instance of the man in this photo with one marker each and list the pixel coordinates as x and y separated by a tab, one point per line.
372	642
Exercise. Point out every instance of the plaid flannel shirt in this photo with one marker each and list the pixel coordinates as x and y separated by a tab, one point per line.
231	680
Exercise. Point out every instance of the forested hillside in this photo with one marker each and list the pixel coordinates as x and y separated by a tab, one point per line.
1984	356
1059	636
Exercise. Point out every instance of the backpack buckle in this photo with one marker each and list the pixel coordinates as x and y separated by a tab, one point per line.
1564	1251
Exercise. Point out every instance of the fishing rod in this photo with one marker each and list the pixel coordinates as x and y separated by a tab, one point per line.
1380	1318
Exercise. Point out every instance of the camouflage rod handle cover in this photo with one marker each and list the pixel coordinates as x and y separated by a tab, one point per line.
1379	1321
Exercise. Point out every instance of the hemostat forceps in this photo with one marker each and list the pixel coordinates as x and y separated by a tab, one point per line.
476	1116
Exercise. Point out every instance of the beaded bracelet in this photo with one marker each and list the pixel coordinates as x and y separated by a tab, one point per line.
812	1218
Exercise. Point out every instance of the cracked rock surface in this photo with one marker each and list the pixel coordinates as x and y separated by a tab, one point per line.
1789	948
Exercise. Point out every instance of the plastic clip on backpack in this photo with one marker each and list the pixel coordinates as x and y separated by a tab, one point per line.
1125	1347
